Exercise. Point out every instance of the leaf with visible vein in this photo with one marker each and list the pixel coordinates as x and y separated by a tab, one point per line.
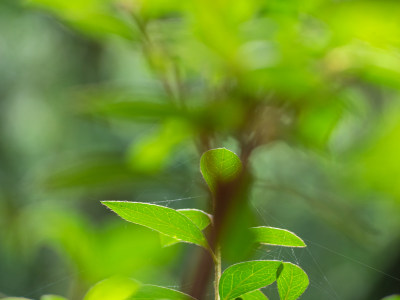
292	281
219	166
255	295
159	218
198	217
276	237
153	292
247	276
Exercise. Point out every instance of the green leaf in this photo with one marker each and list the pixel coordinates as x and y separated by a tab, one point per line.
115	288
292	281
255	295
52	297
151	153
135	110
392	297
276	236
99	170
123	288
198	217
219	166
94	18
159	218
153	292
246	277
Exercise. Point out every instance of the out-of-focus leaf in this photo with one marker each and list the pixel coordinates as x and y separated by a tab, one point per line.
292	281
104	170
92	248
246	277
136	111
121	103
317	121
123	288
15	298
219	166
221	116
377	25
371	64
162	219
153	292
52	297
115	288
151	153
276	236
225	21
198	217
96	18
255	295
393	297
159	8
379	161
100	24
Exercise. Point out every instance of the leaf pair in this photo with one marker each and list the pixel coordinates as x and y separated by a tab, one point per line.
198	217
245	279
183	225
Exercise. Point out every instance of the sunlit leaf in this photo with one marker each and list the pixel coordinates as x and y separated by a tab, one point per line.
255	295
153	292
115	288
159	8
219	166
159	218
377	25
276	236
292	281
198	217
246	277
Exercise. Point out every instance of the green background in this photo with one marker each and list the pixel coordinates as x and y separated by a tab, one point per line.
109	100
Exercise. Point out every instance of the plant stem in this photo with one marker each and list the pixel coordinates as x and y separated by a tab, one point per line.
217	270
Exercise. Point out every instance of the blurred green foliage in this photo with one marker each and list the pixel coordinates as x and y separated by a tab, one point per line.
116	99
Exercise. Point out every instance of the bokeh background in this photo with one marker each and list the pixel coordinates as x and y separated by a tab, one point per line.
114	99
